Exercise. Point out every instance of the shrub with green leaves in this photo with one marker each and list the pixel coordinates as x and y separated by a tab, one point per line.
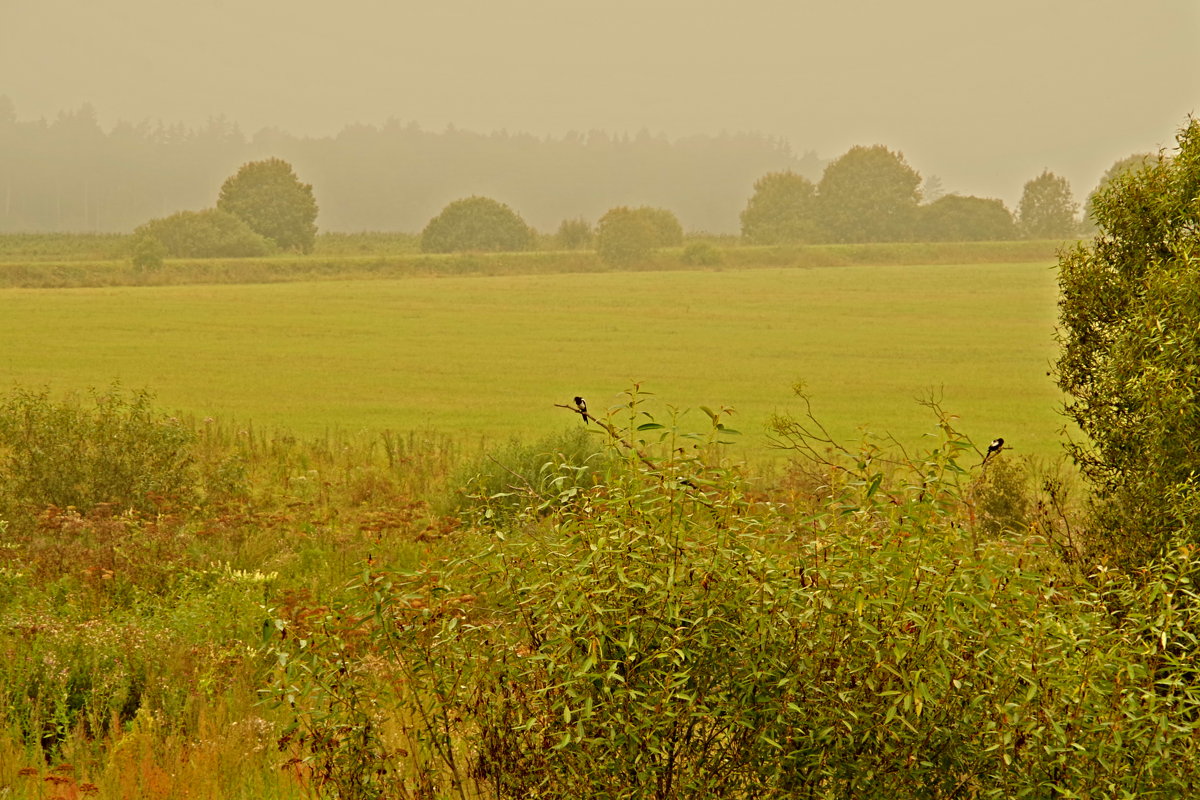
627	235
211	233
115	450
476	223
1000	497
519	478
662	635
701	254
954	218
1129	312
147	252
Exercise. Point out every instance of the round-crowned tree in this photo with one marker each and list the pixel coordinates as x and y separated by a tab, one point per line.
870	194
625	235
782	210
476	223
270	199
668	232
1129	313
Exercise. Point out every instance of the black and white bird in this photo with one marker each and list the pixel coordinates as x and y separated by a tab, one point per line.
581	406
995	447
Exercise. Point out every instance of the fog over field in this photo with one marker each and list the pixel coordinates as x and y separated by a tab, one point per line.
984	96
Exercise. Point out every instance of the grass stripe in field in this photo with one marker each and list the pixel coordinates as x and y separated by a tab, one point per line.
490	355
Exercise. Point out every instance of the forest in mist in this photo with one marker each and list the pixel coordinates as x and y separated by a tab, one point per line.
69	174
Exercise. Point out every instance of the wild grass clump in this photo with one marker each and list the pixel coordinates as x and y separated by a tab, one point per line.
130	636
519	478
73	677
1001	497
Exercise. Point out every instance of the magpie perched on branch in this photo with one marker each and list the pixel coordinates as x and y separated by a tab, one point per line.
581	407
995	447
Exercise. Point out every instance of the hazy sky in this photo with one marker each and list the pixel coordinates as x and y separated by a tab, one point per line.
982	94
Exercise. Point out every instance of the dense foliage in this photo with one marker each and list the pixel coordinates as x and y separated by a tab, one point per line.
655	622
1121	166
1047	209
118	451
574	234
273	203
954	218
211	233
395	177
869	194
476	223
662	634
627	235
1130	312
782	210
70	172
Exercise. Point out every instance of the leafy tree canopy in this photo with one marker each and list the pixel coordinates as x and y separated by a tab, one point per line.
782	210
1129	312
1120	167
668	232
1047	210
476	223
870	194
269	197
574	234
211	233
954	218
625	235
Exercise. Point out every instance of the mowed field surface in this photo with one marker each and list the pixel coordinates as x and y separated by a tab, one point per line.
488	357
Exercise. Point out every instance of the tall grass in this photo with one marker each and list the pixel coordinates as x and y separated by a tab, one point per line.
132	601
880	621
63	246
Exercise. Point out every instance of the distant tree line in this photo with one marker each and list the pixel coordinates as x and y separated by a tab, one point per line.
68	174
871	194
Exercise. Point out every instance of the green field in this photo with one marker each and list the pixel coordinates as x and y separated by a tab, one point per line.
490	356
187	611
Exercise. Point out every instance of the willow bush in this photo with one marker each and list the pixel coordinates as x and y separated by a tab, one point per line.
666	633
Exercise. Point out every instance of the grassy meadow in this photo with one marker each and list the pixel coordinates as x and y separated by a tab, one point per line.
346	545
489	356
